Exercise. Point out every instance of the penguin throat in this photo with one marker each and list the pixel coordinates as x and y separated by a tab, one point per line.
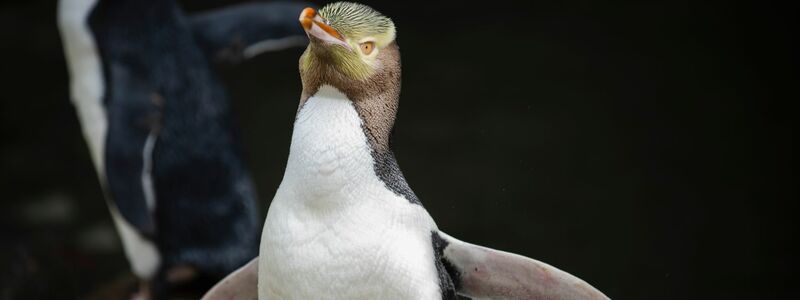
331	156
375	98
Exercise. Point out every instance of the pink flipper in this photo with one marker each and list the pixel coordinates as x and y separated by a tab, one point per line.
485	273
242	284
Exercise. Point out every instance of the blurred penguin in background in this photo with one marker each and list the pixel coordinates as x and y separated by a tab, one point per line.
160	132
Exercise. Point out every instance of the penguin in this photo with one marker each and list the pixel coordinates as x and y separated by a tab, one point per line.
160	133
344	223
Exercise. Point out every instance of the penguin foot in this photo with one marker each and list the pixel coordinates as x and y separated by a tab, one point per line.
181	274
143	293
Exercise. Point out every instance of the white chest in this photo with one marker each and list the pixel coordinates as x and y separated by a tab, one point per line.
333	229
86	77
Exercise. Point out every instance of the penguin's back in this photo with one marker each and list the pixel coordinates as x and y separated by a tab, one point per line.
172	146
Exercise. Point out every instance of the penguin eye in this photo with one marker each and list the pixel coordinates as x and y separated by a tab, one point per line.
367	47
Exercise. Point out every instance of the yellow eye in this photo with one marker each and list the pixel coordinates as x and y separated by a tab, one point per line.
367	47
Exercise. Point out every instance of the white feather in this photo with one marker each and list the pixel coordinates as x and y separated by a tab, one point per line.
85	73
333	230
274	45
142	253
147	168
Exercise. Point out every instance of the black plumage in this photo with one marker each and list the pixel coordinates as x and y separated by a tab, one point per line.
173	164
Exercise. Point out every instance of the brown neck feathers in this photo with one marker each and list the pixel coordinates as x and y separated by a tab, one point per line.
375	98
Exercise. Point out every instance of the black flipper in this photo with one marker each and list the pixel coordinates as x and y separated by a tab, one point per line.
239	32
132	124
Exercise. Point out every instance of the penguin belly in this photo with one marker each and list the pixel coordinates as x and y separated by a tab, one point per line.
334	230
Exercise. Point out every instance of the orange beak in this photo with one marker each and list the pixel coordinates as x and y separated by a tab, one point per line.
318	28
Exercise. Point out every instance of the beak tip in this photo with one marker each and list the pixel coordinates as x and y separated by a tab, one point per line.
307	17
316	26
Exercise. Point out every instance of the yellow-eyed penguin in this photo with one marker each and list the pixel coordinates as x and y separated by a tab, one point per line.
344	223
159	128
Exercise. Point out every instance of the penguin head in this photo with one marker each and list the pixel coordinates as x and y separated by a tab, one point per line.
352	48
350	39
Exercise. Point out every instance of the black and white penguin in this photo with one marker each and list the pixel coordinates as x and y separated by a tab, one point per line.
158	125
344	223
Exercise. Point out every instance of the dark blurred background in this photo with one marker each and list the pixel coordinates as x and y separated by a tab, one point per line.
644	146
